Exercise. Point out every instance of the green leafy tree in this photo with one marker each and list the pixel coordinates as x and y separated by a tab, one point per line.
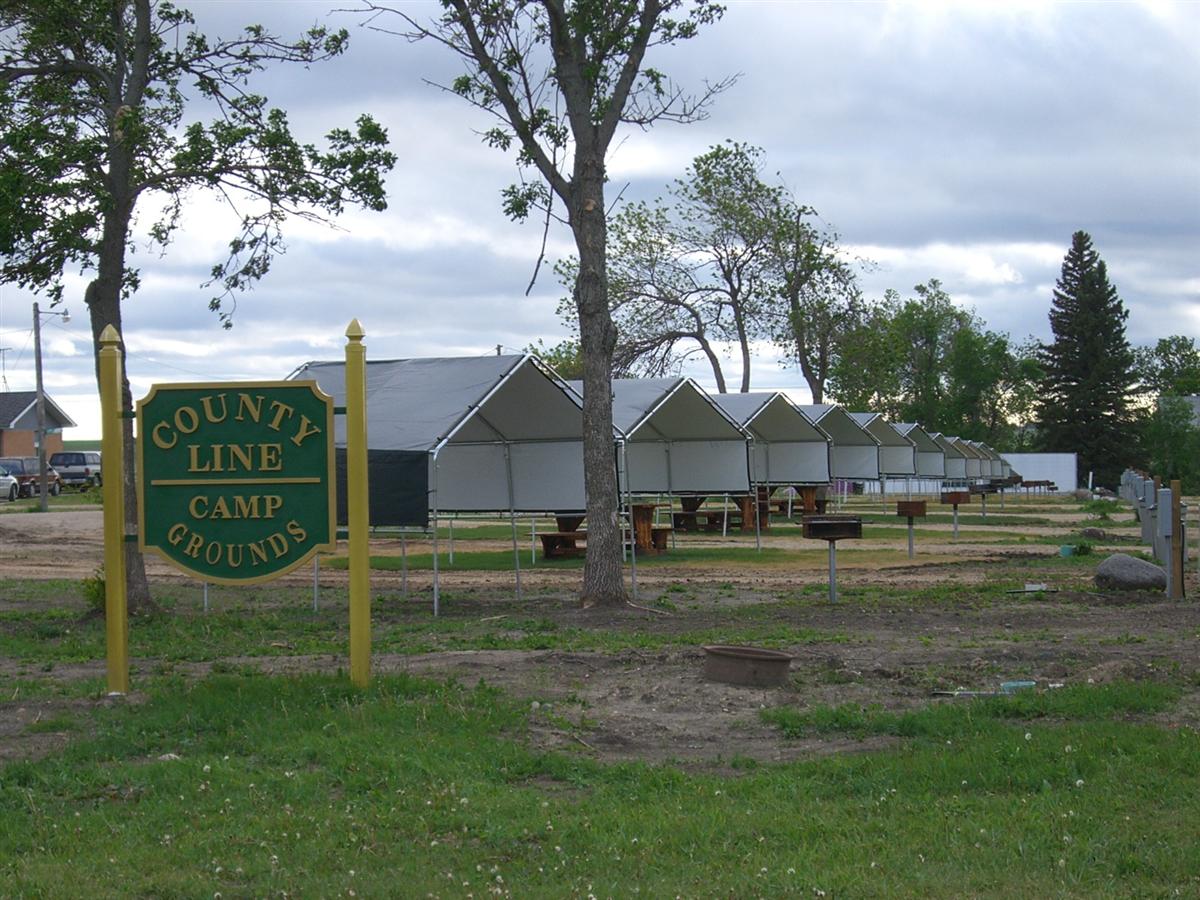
817	304
866	374
1171	366
726	258
927	360
564	358
94	103
1088	368
1170	442
560	77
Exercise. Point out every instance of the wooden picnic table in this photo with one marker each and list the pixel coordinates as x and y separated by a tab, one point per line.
648	537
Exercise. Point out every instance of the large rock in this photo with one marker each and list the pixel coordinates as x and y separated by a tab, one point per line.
1122	572
1083	494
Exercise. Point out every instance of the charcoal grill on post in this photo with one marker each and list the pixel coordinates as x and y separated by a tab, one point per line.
954	498
832	529
983	490
910	509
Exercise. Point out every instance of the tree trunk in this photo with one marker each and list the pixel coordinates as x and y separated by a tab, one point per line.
603	580
713	361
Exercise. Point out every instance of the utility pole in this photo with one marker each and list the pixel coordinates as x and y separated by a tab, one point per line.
43	499
43	502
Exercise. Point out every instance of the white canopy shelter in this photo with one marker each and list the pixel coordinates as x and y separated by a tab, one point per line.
931	458
787	448
487	434
854	452
897	454
953	457
677	441
501	432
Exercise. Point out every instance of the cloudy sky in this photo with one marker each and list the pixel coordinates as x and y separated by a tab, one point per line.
963	141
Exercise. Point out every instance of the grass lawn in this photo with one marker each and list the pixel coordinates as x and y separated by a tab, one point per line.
253	786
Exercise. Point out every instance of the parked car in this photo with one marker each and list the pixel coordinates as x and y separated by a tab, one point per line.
79	468
9	488
25	470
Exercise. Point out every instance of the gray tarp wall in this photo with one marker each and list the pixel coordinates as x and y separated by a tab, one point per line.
788	449
854	453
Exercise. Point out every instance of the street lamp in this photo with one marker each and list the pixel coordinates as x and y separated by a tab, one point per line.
41	399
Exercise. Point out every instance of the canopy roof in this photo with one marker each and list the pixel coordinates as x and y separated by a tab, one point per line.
667	409
968	450
948	445
423	404
769	416
841	427
919	436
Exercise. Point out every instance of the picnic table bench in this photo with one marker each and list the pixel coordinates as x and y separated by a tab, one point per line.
561	544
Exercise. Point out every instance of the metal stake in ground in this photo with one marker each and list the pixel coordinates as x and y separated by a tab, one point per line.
954	498
832	529
909	509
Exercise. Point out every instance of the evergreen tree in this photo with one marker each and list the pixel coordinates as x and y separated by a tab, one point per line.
1088	368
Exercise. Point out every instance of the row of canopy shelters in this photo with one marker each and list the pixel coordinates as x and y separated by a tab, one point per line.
788	449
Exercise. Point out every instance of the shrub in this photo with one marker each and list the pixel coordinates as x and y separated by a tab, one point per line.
94	591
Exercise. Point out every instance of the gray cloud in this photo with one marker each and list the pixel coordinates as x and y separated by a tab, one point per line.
964	142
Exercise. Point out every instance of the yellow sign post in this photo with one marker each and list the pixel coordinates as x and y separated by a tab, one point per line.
116	616
357	513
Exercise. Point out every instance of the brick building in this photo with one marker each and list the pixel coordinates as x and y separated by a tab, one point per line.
18	424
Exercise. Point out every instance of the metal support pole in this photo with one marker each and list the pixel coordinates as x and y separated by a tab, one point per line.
910	538
450	527
629	506
983	499
757	535
956	521
404	565
833	571
1179	547
206	596
316	580
512	517
43	501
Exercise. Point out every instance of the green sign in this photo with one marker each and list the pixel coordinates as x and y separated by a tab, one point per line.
235	479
